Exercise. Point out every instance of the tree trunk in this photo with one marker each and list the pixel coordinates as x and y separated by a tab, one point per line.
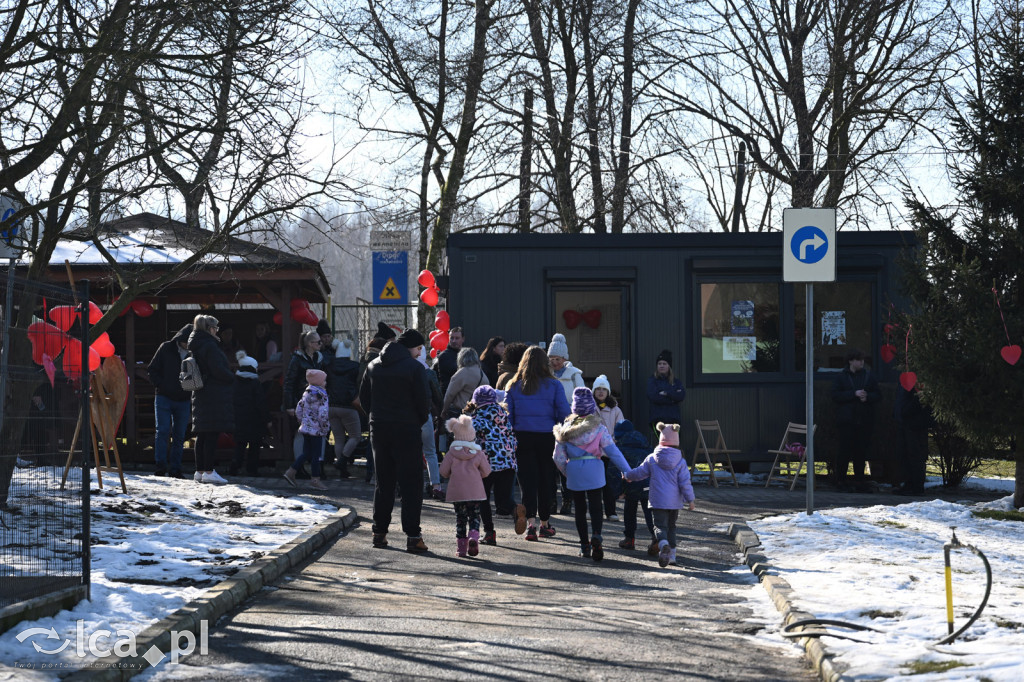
450	191
593	151
626	126
526	162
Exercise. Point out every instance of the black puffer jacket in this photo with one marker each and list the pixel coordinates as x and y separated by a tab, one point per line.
295	376
251	413
213	406
342	378
165	366
394	388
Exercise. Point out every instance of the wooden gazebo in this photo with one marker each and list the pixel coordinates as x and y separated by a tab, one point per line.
242	284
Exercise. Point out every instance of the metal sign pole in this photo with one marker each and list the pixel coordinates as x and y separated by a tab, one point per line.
809	394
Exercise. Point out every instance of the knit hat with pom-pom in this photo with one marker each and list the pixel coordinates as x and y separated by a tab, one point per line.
462	428
558	347
669	434
246	360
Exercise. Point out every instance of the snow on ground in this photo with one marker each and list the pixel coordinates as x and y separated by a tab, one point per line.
153	551
883	567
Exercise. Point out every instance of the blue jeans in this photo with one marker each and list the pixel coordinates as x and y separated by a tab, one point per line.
312	452
430	452
172	417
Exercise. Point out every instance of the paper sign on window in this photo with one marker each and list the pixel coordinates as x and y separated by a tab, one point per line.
833	328
742	319
739	348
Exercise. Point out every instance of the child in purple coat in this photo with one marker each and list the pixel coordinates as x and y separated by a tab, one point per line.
314	425
465	466
670	489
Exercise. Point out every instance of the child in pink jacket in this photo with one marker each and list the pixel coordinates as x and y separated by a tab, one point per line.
465	466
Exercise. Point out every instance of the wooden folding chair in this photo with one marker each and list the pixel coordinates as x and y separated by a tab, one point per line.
789	461
711	432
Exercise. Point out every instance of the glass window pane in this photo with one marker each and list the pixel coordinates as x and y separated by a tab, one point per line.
842	321
739	327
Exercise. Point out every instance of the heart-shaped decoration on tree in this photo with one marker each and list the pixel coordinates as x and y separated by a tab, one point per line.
1010	353
908	380
888	352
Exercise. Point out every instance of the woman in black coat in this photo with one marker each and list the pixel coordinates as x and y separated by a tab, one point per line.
213	409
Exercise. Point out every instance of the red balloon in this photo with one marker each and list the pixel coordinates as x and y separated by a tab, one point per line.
278	318
94	360
426	279
429	296
45	338
439	342
433	352
95	314
142	308
888	352
63	316
73	359
434	333
572	318
103	345
312	319
442	321
298	314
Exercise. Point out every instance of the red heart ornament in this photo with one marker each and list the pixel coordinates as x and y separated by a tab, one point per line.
572	318
592	318
908	380
888	352
1010	353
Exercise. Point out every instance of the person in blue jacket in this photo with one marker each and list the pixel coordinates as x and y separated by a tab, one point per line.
664	392
536	402
581	441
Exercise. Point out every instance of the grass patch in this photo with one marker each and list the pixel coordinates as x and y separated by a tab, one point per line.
894	524
1009	624
998	514
925	667
874	614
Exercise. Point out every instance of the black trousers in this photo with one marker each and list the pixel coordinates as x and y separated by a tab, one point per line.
398	460
206	450
537	472
854	440
629	514
913	457
501	482
582	499
250	461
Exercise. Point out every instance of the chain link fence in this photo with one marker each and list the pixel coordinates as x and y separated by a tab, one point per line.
358	322
44	504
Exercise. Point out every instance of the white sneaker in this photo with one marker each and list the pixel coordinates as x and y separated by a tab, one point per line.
214	477
672	557
198	477
613	517
22	463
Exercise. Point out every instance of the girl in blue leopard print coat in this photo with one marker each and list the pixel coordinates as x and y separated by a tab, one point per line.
495	436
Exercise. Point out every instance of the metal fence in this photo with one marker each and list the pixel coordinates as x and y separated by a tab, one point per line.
44	520
359	322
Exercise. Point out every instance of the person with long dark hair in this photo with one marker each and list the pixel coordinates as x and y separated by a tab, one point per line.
491	358
509	363
536	402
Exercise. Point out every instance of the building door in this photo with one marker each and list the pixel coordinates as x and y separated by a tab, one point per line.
595	319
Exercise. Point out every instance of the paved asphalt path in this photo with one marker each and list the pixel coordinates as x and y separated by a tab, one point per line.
518	611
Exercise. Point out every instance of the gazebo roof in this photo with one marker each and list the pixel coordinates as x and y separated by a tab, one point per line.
156	243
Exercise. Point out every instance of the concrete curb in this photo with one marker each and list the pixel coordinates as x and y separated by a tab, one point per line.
781	593
220	599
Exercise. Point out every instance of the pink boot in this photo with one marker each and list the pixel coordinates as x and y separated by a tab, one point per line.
463	544
474	542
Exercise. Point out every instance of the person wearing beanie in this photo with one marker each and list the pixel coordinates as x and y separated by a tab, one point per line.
252	417
494	434
610	413
581	442
670	488
342	388
395	395
323	329
313	413
465	465
173	404
411	339
384	332
308	356
635	447
664	391
570	378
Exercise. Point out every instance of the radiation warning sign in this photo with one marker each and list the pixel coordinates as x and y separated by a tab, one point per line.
391	277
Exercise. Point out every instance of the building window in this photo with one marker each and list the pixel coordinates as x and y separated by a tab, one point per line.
739	327
842	321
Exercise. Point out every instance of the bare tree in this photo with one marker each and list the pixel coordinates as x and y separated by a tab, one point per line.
824	93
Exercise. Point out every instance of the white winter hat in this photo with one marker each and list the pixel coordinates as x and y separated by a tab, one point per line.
558	347
342	349
246	360
602	382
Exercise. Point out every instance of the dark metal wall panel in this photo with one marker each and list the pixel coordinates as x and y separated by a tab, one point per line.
736	409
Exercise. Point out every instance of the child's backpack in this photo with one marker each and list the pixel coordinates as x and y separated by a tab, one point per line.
190	377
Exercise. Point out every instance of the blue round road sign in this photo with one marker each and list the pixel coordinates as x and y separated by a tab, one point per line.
809	244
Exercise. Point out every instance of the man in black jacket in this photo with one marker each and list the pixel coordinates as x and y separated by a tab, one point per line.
395	394
173	405
447	360
854	392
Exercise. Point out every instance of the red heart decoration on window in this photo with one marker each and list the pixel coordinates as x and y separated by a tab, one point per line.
1010	353
888	352
592	318
908	380
572	318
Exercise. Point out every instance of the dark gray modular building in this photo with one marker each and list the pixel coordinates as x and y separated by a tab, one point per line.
716	301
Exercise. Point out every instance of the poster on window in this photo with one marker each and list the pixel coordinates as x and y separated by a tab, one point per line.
833	328
742	320
739	348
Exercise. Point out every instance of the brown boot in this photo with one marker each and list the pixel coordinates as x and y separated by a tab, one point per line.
380	540
415	545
